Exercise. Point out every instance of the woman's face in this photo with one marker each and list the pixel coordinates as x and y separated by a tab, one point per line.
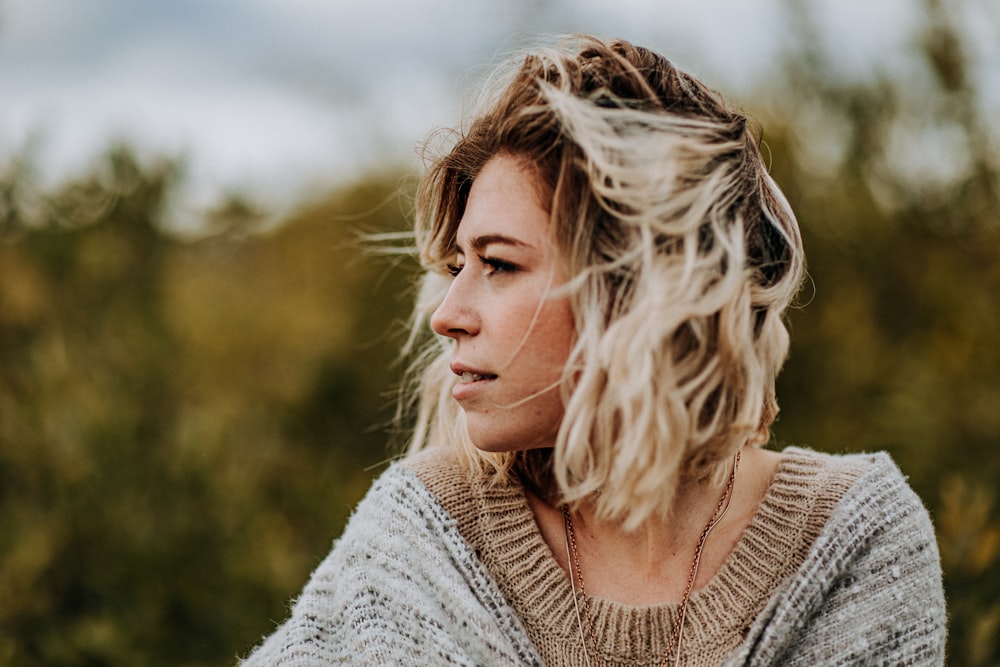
512	336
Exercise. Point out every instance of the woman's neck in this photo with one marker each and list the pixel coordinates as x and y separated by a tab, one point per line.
651	564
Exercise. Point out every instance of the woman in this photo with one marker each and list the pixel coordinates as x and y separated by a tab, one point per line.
608	263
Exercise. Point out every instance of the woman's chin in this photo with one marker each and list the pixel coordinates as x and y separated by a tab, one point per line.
495	445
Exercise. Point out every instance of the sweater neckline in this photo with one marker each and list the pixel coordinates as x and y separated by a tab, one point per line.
771	547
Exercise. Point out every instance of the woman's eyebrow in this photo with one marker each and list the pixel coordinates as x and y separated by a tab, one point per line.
479	242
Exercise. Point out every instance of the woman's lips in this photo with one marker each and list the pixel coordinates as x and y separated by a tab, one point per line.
470	383
469	376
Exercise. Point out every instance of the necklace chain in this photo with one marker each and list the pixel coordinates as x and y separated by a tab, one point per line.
676	634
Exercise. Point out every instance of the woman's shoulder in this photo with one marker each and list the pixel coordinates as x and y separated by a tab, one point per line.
471	497
874	548
835	478
877	533
846	481
815	467
440	469
396	510
400	585
874	501
822	505
426	481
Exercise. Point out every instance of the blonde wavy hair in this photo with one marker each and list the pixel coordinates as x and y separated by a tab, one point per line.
683	256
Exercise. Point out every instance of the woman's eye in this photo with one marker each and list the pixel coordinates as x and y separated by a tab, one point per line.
453	269
497	265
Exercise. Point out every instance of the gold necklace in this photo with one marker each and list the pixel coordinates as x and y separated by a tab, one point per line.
674	641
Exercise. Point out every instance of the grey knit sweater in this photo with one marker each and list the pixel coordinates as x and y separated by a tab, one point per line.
838	566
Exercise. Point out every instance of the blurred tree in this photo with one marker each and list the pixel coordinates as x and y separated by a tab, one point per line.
183	426
896	181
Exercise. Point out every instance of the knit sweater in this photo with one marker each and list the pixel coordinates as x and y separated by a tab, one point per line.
838	566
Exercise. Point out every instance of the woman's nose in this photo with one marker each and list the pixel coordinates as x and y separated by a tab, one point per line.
456	316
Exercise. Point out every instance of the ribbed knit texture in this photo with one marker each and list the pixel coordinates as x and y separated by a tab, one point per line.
838	566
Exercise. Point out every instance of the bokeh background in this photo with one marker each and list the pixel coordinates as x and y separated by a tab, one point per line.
198	351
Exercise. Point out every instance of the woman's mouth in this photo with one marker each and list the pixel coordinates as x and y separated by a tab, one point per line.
471	384
468	376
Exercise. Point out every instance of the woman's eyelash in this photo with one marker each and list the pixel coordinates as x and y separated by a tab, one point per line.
497	265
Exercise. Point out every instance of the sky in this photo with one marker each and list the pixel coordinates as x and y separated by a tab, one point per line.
282	98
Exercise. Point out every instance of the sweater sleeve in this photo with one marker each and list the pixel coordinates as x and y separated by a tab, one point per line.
400	587
872	594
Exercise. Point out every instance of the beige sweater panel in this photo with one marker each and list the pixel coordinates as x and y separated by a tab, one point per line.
499	525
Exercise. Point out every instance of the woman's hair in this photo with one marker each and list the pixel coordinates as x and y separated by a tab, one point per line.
682	255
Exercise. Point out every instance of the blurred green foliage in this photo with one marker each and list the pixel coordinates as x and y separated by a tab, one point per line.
185	423
896	182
